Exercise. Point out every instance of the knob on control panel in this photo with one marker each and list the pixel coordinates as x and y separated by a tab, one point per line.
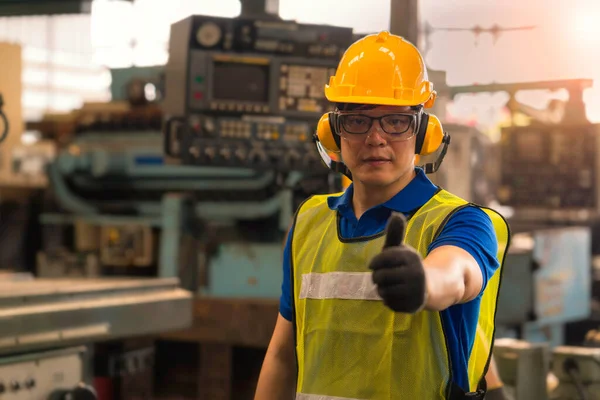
30	383
80	392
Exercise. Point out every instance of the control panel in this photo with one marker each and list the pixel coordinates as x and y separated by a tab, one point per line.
258	143
248	93
247	35
55	375
244	84
550	168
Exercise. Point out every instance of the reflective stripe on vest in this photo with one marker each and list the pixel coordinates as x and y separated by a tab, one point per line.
349	345
339	285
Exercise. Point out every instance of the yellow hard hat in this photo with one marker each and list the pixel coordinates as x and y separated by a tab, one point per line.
382	69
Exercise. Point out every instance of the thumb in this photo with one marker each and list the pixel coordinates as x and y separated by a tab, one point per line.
396	227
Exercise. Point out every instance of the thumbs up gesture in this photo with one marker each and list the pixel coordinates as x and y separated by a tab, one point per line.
398	270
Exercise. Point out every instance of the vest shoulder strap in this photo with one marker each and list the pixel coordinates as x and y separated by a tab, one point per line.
313	205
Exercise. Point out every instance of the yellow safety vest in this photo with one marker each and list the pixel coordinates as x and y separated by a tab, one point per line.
349	345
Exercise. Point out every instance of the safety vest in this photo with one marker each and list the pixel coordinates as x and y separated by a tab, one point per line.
349	345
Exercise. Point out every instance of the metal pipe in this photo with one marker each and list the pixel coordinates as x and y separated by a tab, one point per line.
100	163
176	184
64	196
240	210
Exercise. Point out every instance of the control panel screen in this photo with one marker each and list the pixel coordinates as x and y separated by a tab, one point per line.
241	82
301	88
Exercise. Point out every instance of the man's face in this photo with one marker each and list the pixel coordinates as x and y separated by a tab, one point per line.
382	155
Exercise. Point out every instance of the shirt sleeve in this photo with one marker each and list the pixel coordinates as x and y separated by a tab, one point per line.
285	301
472	230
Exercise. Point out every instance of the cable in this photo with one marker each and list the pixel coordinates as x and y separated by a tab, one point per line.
572	369
4	120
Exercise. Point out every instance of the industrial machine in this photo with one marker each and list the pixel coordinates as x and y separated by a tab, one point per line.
52	325
546	183
578	372
217	219
550	173
49	375
122	211
48	328
248	92
206	201
545	285
524	367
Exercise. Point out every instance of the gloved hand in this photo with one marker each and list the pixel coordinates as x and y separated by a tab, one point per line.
398	270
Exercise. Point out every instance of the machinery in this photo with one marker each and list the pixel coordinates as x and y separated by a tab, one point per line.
545	285
215	220
546	183
550	173
48	328
248	92
524	367
122	211
206	199
52	326
49	375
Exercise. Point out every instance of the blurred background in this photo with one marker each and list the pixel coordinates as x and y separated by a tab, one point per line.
153	153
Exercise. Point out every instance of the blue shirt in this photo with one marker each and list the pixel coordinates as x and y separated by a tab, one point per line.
469	228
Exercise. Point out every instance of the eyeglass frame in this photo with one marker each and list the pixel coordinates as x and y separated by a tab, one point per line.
415	123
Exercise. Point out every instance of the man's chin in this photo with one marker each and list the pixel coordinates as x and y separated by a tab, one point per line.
376	181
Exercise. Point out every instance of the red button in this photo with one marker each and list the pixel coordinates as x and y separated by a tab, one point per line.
198	95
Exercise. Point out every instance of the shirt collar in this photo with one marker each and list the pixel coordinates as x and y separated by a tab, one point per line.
418	192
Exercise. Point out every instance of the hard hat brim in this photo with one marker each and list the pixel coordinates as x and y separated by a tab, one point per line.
382	101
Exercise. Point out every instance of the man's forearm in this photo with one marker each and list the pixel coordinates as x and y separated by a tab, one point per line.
445	288
452	276
277	379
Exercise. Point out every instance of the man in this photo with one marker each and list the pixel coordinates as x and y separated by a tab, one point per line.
386	284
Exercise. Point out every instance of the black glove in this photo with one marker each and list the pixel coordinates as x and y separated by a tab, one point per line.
398	270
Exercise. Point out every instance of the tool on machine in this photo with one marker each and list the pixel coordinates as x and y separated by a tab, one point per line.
4	126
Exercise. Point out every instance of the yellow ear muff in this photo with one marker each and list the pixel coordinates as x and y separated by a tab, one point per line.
433	136
325	134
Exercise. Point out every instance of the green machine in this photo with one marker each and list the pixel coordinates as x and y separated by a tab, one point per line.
120	210
207	193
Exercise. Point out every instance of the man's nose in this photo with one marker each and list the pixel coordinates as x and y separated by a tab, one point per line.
375	136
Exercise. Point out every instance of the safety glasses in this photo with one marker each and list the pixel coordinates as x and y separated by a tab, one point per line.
396	127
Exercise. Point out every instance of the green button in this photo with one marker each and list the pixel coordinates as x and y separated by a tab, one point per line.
199	79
